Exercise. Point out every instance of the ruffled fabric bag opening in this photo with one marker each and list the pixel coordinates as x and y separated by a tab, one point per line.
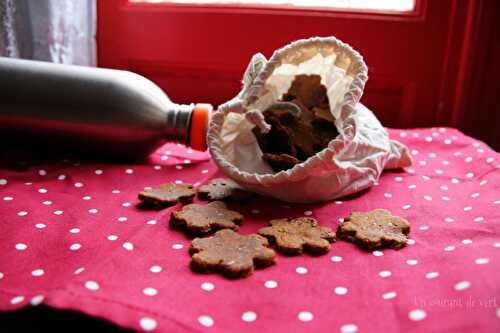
352	162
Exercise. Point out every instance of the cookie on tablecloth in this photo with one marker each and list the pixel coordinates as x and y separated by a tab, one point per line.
294	236
375	229
203	219
167	195
231	254
223	189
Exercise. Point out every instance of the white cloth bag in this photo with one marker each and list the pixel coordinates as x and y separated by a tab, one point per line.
352	162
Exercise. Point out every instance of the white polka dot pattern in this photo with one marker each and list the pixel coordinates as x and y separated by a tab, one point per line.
207	286
336	258
340	290
37	300
21	246
92	285
305	316
482	261
148	324
271	284
79	270
150	291
79	225
128	246
37	272
462	285
206	321
249	316
156	269
389	295
432	275
301	270
17	300
384	274
75	247
348	328
417	315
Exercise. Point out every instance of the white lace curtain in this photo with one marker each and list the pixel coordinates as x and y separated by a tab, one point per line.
61	31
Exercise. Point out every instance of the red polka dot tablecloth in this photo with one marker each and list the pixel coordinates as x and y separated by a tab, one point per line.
72	237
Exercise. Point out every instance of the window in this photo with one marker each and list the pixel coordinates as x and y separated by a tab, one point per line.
380	5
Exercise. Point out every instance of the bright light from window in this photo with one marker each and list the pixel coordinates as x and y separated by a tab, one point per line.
390	5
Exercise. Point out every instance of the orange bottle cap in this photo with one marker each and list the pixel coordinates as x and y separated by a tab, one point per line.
199	125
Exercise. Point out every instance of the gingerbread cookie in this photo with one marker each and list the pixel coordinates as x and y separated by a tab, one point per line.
293	236
308	90
202	219
230	254
281	161
279	139
223	189
167	195
375	229
301	124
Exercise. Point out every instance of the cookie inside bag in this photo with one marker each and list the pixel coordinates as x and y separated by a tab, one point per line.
297	133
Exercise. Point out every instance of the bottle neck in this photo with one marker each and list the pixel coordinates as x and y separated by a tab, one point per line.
187	124
178	123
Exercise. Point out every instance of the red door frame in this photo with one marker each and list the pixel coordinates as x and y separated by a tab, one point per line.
419	62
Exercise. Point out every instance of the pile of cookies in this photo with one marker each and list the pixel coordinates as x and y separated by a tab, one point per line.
219	248
301	124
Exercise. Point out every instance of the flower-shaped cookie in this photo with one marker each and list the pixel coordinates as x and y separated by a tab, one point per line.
293	236
167	195
230	254
223	189
375	229
202	219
